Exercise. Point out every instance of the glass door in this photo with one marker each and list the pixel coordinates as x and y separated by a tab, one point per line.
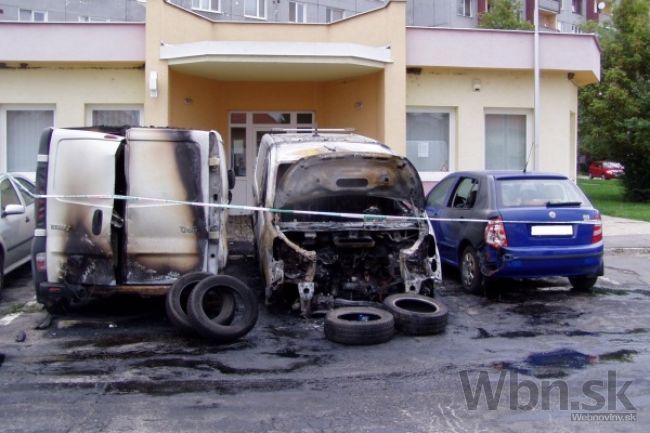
246	132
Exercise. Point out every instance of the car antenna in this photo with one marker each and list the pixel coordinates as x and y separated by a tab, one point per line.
530	154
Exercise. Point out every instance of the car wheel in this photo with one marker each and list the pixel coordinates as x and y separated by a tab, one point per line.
359	325
179	293
416	314
470	271
582	284
206	321
57	307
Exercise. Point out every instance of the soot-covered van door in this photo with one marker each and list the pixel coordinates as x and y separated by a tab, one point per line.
80	248
165	240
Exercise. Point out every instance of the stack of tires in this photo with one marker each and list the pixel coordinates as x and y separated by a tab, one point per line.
409	313
219	307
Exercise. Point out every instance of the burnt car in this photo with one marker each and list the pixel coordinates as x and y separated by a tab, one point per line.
122	212
348	221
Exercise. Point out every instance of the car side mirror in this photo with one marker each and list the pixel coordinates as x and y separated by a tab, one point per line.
13	209
231	179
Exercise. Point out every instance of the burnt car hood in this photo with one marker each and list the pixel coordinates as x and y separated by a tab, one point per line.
370	174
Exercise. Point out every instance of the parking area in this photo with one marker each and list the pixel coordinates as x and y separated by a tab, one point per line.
120	366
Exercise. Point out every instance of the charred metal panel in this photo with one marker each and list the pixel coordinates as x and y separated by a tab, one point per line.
360	174
164	241
81	163
217	217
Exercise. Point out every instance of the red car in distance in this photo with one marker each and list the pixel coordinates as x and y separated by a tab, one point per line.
606	170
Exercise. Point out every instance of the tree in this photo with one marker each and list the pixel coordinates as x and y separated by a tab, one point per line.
614	121
503	14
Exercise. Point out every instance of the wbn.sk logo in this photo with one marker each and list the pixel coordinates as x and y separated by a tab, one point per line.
595	395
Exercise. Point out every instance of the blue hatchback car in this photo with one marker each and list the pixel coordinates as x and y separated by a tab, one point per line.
493	224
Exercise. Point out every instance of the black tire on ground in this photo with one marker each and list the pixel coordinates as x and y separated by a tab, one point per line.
470	271
179	293
582	284
359	325
416	314
244	300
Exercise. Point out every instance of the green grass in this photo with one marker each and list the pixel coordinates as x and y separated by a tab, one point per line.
607	196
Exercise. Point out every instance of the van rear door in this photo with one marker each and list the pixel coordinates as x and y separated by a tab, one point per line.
79	245
165	240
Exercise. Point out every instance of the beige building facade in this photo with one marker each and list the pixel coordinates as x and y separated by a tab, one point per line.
449	99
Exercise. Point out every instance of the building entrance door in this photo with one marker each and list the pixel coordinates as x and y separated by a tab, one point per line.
246	132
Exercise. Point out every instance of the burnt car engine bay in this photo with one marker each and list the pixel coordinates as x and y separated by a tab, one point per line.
355	260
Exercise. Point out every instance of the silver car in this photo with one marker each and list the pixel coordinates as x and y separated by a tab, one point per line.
16	222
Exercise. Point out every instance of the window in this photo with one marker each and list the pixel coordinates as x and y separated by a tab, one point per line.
238	146
505	141
576	6
464	7
332	15
465	194
537	192
114	115
23	128
429	142
255	9
8	194
207	5
297	12
30	15
28	198
436	198
88	19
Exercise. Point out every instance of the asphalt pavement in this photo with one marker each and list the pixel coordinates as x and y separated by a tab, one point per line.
119	365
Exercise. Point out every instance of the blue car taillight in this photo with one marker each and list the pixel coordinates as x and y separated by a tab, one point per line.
495	234
597	235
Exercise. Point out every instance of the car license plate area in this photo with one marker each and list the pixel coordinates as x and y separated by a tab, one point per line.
552	230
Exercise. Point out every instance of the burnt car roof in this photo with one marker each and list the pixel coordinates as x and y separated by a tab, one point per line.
293	146
510	174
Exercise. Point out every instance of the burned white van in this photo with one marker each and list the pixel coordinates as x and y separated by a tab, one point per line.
311	249
123	211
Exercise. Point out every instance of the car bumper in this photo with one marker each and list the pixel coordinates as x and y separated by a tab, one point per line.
526	262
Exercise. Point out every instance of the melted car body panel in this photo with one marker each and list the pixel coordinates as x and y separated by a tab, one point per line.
164	241
81	163
333	174
96	240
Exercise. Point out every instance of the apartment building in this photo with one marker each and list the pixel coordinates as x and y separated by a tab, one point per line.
449	98
72	10
555	15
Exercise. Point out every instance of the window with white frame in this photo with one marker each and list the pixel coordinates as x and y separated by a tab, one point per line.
506	138
297	12
32	15
88	19
430	141
114	115
21	128
255	9
207	5
464	7
332	15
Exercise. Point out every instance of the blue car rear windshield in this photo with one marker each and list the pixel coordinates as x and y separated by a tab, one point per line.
538	192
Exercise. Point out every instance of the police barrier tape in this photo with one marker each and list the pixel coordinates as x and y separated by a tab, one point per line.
73	199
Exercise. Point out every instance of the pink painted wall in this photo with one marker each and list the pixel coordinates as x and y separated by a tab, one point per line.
502	49
72	42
